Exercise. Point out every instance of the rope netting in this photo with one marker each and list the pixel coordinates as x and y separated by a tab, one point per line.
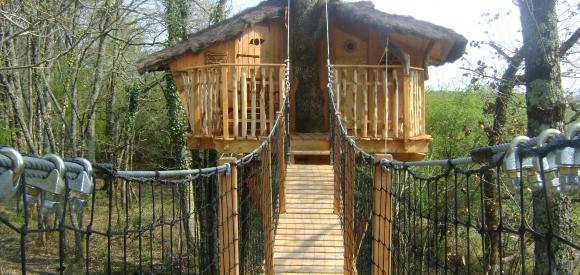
460	216
63	217
506	209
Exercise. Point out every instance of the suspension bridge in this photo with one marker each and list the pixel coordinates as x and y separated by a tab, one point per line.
262	214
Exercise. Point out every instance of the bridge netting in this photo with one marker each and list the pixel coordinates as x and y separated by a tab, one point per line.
66	216
478	214
69	217
506	209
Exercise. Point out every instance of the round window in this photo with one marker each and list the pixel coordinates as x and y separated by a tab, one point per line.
349	46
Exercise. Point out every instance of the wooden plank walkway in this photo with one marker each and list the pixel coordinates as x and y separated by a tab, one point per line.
309	236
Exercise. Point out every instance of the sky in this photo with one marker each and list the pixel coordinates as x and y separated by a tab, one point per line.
467	17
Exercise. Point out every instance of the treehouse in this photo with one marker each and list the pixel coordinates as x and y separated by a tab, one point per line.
231	78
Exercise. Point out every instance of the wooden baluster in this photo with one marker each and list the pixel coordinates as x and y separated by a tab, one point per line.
414	102
197	101
235	99
188	85
201	95
216	100
225	103
354	101
376	104
244	103
216	92
365	91
282	87
210	100
204	95
406	110
344	89
263	110
396	96
337	86
423	96
387	107
415	105
253	104
271	97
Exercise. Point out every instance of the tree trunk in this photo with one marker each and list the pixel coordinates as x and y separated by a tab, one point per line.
495	136
91	116
305	29
545	108
544	96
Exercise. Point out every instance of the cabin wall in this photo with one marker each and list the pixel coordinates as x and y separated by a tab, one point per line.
361	86
262	43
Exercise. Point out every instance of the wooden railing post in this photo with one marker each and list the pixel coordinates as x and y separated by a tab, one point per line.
381	218
266	201
348	210
336	166
225	103
423	95
281	161
228	219
235	103
406	110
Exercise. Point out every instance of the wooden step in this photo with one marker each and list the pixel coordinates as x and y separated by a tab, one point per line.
308	238
312	232
309	262
310	205
309	201
308	255
309	193
296	270
297	226
310	217
314	188
315	243
310	211
310	153
308	249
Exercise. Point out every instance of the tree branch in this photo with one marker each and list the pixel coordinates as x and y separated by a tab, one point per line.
569	43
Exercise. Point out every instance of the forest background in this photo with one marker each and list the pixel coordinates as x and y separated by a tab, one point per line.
69	85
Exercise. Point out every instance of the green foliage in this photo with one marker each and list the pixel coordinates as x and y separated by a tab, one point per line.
456	121
460	121
5	134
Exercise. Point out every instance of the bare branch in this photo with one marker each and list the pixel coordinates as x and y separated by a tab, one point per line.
569	43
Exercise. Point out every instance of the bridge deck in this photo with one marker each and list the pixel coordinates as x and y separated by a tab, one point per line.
309	236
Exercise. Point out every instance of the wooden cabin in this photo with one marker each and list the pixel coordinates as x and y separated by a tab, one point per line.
231	78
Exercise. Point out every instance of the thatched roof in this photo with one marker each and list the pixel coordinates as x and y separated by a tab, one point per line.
361	12
364	12
220	32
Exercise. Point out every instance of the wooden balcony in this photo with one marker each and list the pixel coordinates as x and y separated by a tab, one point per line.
231	107
383	108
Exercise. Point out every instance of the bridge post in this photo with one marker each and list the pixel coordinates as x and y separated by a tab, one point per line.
381	218
348	210
268	215
228	219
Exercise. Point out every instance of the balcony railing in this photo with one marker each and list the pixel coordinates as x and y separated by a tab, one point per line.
233	100
378	105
